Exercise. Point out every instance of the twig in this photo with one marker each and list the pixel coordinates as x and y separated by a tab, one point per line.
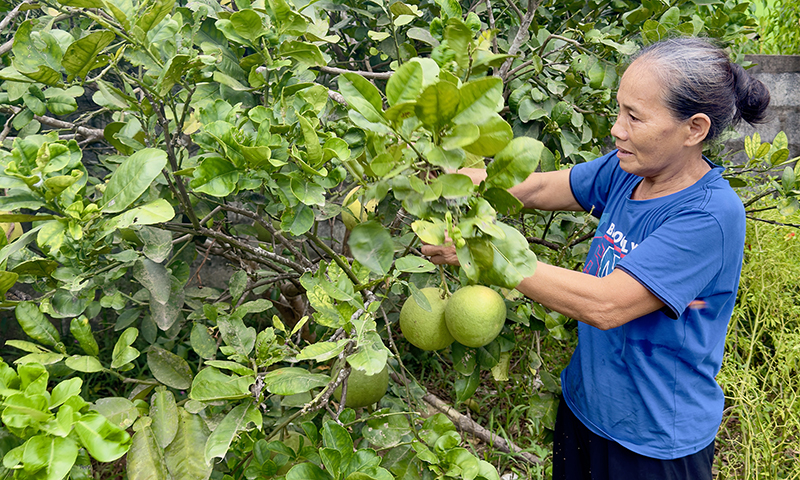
91	134
268	226
10	16
468	425
492	26
773	222
525	24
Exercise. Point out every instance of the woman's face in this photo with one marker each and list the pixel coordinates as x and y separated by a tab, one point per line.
650	140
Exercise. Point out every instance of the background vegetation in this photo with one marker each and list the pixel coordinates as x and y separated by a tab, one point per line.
145	141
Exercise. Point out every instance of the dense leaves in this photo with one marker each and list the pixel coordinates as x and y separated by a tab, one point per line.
310	148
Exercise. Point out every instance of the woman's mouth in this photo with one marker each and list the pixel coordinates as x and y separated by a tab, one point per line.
623	152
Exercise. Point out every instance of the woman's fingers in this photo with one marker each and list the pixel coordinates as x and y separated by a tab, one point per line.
441	254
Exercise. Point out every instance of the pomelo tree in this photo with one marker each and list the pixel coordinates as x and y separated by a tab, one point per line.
143	140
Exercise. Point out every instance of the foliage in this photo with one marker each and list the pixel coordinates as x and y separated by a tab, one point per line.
143	138
778	31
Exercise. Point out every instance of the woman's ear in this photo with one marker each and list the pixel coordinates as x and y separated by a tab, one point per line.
698	125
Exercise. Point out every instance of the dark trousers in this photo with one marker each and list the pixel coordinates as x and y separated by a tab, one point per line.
580	454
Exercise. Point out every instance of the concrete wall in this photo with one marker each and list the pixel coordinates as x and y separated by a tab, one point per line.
781	75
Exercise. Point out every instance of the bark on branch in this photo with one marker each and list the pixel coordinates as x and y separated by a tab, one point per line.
89	134
522	34
468	425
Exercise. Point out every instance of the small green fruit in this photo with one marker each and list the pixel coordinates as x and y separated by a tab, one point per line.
423	329
363	389
475	315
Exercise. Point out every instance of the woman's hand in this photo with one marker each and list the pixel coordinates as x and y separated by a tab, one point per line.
441	254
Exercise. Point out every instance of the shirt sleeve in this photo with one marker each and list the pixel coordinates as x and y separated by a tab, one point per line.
592	182
679	259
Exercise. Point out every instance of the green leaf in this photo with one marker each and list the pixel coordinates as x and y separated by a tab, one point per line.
429	232
466	387
514	163
413	264
202	342
495	135
307	471
322	351
132	178
145	461
498	261
215	176
455	185
123	352
308	192
157	211
36	325
780	141
64	390
460	136
81	55
502	201
437	104
80	328
236	335
103	440
313	148
156	12
303	52
336	437
779	157
297	220
419	297
175	68
210	385
287	20
154	277
50	458
237	284
405	84
84	363
386	432
293	380
370	355
164	413
478	99
169	369
118	410
236	420
184	458
247	24
362	96
372	246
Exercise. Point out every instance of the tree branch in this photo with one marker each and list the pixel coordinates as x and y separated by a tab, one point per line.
522	33
468	425
90	134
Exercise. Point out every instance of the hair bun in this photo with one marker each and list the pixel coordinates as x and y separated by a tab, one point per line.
752	97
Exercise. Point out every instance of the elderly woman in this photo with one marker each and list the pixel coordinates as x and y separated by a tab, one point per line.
640	399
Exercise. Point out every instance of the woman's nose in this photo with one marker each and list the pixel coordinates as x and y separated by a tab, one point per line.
617	131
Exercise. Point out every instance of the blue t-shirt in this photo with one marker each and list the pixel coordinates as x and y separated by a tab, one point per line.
650	385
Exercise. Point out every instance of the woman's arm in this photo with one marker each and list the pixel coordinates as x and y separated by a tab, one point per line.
602	302
543	191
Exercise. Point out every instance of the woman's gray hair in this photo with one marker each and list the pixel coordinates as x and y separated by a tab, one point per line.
698	77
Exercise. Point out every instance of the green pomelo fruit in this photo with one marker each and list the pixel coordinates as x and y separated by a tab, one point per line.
363	389
425	330
475	315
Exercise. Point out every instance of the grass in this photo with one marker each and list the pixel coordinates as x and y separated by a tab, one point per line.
760	433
